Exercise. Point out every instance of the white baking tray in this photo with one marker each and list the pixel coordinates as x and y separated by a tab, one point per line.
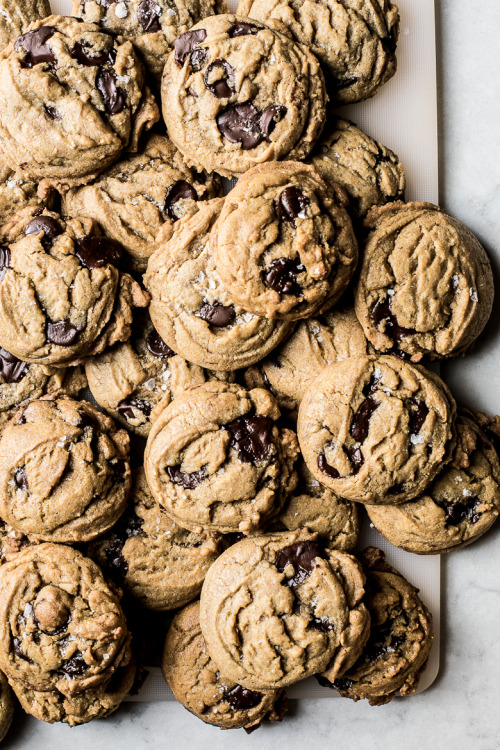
403	116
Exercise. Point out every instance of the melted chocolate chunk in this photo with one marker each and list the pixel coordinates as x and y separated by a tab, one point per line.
251	437
382	313
177	191
241	124
128	526
242	698
62	333
361	422
35	46
418	415
4	260
322	624
281	276
343	83
50	227
74	666
292	205
114	98
218	315
302	556
51	112
157	347
270	116
21	478
342	683
86	55
355	457
16	645
148	15
242	28
12	369
189	481
186	43
95	252
325	467
459	511
223	74
128	407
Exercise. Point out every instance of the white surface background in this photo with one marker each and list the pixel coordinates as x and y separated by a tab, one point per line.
461	709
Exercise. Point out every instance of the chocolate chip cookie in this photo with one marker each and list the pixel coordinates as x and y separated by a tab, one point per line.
460	506
151	25
400	639
283	244
16	15
17	192
61	295
197	683
72	97
61	628
370	173
190	308
216	459
134	197
64	472
236	93
6	706
426	284
159	564
354	41
135	380
376	429
276	609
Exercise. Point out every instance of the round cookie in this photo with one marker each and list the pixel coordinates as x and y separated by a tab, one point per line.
376	429
61	628
216	460
283	244
459	507
237	93
61	295
400	639
16	15
370	173
354	41
337	522
72	97
64	471
151	25
315	343
135	380
159	564
52	706
134	197
426	285
16	192
6	706
192	312
197	683
276	609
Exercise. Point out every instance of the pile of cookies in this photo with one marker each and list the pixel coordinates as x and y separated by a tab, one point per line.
254	360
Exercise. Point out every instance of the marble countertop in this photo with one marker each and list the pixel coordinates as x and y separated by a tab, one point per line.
461	709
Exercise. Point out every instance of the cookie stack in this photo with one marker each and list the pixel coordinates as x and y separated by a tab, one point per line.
279	390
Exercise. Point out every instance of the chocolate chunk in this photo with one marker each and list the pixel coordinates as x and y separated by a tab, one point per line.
177	191
218	315
219	79
189	481
198	58
323	681
95	252
148	15
418	415
382	313
16	645
157	347
281	276
270	116
51	112
241	124
342	683
4	260
49	226
128	526
12	369
355	457
361	422
302	556
458	511
343	83
192	92
292	205
62	333
325	467
21	478
128	407
74	666
82	51
251	437
34	44
322	624
242	28
114	98
242	698
186	43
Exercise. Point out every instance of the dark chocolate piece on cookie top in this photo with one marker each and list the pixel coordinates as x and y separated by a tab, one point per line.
157	347
251	437
186	480
148	15
113	96
241	698
292	204
217	314
94	251
181	189
281	276
219	79
48	225
187	43
245	124
12	369
86	55
302	557
63	332
242	28
325	467
130	405
34	44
